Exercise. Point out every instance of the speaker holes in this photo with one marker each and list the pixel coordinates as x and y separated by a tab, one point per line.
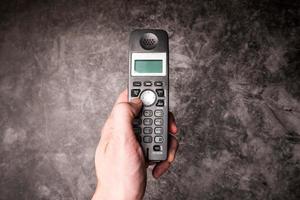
148	41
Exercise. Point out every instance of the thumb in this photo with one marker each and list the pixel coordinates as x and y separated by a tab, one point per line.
136	106
124	113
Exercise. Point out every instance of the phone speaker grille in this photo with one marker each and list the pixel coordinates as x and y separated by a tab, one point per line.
149	41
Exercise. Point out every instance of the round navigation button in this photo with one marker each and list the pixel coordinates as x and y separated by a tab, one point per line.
148	97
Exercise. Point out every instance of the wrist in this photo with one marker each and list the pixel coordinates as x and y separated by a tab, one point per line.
105	194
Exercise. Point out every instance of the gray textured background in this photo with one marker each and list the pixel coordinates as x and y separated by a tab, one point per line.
235	92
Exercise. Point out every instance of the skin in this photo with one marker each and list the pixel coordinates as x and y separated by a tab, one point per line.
120	164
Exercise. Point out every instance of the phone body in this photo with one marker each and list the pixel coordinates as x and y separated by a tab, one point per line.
149	81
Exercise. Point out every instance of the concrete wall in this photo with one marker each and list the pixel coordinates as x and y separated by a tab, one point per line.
235	91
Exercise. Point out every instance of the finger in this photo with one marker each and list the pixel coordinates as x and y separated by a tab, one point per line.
136	106
134	103
172	124
160	169
163	166
133	107
172	148
124	113
123	97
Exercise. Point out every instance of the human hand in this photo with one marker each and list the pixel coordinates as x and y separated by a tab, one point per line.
120	163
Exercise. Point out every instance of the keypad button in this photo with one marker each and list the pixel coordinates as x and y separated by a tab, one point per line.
148	97
158	121
139	138
158	139
158	130
137	83
148	113
157	148
137	122
160	103
148	130
147	139
158	83
137	130
159	113
148	121
160	92
147	83
139	114
135	92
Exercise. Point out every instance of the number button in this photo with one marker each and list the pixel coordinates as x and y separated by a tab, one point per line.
136	83
148	130
137	122
135	92
158	139
137	130
160	92
158	130
147	139
147	83
139	138
158	122
148	121
148	113
160	103
159	113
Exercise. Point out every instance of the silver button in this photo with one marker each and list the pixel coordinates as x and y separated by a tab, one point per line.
158	113
158	121
158	130
158	139
148	97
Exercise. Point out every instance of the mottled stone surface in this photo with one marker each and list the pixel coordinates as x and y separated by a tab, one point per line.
235	91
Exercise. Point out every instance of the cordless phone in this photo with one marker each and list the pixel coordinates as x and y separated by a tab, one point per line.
149	81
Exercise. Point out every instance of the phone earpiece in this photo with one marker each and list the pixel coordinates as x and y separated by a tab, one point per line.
149	41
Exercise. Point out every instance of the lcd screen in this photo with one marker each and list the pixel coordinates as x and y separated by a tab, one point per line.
148	66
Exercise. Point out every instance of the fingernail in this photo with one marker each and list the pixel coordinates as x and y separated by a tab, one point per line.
176	129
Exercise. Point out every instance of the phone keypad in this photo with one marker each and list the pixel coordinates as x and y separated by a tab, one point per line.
158	113
139	138
158	121
160	103
137	130
148	113
158	139
148	130
160	92
137	122
149	126
148	121
135	92
158	130
147	139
